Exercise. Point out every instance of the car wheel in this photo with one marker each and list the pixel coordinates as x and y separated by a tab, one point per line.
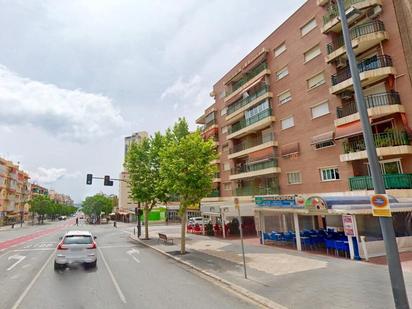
58	266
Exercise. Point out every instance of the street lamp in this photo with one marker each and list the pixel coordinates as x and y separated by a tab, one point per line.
386	223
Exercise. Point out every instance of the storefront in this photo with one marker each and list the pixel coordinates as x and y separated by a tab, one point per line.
335	224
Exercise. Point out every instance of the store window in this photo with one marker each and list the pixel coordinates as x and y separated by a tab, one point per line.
329	174
294	178
309	26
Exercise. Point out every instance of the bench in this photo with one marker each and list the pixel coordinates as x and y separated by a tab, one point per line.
164	238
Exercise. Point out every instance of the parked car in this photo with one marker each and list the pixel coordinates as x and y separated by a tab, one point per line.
62	218
198	220
76	247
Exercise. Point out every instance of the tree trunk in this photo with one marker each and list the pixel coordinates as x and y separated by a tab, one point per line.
146	221
183	233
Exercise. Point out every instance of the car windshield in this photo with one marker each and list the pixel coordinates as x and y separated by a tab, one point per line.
77	239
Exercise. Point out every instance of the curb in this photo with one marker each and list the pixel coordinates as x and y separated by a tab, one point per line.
260	300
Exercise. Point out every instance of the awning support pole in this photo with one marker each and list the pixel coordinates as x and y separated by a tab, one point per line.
297	231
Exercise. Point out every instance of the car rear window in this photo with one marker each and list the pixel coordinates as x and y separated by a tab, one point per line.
78	239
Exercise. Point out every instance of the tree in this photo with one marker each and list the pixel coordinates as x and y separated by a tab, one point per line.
94	206
186	170
143	165
40	205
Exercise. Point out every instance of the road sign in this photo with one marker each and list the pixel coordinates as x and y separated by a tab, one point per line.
380	205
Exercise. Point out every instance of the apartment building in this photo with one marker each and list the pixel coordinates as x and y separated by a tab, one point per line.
126	204
285	121
14	191
60	198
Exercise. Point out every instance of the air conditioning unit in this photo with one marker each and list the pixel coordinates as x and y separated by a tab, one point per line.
346	95
340	63
374	12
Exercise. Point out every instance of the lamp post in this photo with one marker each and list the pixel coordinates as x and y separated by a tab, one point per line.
386	223
237	206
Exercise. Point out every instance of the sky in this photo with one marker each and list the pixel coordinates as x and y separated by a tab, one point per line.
78	76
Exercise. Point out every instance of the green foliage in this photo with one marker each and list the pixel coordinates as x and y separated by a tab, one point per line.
42	205
97	204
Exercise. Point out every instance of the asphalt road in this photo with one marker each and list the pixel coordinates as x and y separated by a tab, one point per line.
128	275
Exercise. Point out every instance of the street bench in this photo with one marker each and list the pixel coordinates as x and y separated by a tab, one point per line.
164	238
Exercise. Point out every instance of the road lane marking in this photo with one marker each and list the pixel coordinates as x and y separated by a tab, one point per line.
15	257
32	282
32	249
115	246
116	285
130	252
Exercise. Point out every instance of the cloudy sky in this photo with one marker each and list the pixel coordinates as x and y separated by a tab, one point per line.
77	76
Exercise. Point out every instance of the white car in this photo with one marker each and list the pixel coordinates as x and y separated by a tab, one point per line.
76	247
198	220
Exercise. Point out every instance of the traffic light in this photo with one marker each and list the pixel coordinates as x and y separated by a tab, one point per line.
107	181
89	179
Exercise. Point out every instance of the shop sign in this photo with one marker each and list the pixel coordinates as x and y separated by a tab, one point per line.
285	201
348	225
380	205
316	205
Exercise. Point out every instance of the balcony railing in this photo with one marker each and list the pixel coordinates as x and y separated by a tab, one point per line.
372	63
249	121
247	77
333	10
247	144
242	102
374	100
209	124
355	32
392	181
252	167
385	139
214	193
248	191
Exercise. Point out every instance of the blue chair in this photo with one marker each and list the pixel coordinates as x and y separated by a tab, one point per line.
330	244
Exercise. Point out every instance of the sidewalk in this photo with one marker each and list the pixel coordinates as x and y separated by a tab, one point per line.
286	277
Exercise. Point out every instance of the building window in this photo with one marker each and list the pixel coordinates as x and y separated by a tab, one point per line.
294	178
312	53
287	123
257	110
316	80
225	148
280	49
324	144
223	111
224	130
282	73
227	186
284	97
226	166
310	25
329	174
320	110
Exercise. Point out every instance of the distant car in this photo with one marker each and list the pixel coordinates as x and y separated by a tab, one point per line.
197	220
76	247
62	218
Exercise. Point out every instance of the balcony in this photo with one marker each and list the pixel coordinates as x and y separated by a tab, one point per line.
216	177
248	79
214	193
245	148
321	2
237	108
371	70
250	125
378	105
392	181
209	125
251	191
253	169
331	21
387	144
363	37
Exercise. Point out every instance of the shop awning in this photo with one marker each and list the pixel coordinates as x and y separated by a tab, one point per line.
289	149
321	138
348	130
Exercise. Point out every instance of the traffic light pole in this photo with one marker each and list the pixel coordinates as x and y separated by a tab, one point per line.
386	223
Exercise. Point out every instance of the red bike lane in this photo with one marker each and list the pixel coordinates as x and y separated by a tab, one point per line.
22	239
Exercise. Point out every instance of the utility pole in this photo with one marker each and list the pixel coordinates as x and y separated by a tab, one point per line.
386	223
